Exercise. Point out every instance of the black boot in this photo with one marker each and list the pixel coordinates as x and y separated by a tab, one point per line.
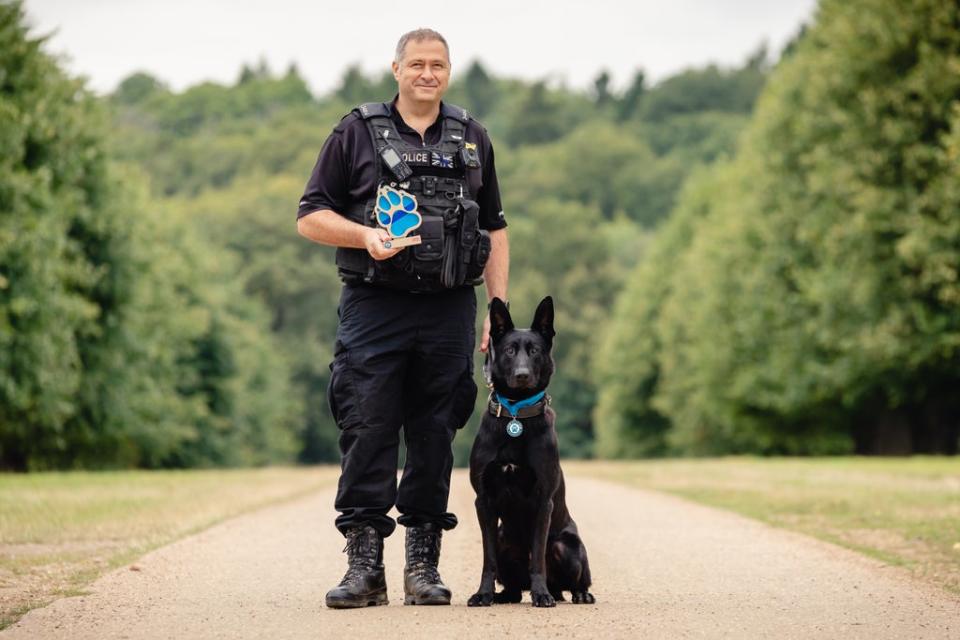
421	581
364	584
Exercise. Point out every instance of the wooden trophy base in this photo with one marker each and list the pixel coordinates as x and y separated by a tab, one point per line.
409	241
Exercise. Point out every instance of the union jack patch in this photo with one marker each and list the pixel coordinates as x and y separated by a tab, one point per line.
442	160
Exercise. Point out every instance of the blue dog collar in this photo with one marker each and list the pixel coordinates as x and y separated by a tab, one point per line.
514	407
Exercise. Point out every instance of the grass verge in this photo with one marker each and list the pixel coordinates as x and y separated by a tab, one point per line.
60	531
903	511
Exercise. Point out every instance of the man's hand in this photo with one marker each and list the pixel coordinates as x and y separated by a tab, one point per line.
485	336
373	242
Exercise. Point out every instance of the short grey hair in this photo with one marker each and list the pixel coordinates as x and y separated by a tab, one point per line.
418	35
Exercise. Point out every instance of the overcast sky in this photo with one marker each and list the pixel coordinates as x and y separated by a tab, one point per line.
184	42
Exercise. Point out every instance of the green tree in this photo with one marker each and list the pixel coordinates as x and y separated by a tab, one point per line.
537	119
480	91
627	362
601	165
709	89
137	88
630	101
52	181
601	89
356	87
815	307
293	279
100	327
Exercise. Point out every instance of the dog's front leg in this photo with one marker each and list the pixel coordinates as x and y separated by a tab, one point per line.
487	517
539	593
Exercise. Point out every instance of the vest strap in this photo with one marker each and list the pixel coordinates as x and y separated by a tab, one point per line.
454	112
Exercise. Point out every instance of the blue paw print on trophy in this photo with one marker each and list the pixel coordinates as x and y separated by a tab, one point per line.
397	211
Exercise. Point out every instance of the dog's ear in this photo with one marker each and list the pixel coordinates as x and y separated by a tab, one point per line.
500	320
543	319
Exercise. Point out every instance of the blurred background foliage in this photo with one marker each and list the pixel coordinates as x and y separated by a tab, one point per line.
760	259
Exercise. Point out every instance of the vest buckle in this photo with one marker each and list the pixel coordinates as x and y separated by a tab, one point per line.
429	186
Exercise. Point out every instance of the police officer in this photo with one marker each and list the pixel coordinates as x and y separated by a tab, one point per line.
403	354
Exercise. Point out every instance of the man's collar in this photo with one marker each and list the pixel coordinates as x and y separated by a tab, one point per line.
398	119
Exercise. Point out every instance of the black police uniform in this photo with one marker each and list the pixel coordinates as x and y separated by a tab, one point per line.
402	358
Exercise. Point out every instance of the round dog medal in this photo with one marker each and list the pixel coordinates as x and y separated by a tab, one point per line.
514	428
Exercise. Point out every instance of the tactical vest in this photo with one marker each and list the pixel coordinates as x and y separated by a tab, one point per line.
454	250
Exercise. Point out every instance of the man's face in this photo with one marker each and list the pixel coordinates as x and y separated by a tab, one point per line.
424	71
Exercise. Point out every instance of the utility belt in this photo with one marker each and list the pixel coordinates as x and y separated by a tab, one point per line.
453	250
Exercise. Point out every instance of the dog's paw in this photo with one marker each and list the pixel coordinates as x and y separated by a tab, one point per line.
507	597
542	600
480	599
583	597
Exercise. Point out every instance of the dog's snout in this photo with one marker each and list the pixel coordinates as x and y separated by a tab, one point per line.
522	375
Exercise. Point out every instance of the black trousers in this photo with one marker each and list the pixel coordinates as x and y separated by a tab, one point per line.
401	359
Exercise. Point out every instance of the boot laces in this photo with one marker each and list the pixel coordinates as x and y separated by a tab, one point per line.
424	555
361	550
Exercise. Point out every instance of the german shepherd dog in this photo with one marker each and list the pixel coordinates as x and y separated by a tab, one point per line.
530	542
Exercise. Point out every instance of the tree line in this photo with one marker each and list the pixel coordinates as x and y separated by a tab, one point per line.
726	281
803	296
124	340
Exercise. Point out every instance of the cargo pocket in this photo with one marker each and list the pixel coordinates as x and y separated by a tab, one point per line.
465	395
339	388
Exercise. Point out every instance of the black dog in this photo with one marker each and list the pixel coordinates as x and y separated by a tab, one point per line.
515	470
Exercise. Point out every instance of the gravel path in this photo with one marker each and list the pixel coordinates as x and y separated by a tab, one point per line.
663	567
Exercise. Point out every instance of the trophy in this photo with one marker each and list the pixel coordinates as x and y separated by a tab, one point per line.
396	211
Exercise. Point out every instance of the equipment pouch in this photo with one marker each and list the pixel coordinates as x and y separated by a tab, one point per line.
478	258
467	237
469	226
428	253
